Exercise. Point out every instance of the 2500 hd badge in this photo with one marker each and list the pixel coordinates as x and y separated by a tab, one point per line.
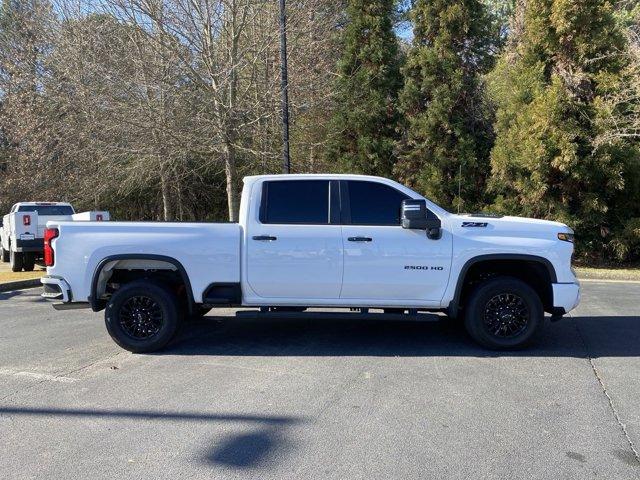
422	267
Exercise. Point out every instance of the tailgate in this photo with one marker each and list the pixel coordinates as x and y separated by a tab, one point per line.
25	225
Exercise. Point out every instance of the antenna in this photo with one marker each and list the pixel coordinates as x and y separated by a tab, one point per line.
459	187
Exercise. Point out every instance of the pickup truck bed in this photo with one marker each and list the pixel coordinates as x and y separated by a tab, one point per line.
197	248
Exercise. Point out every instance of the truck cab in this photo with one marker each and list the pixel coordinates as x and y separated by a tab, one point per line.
324	241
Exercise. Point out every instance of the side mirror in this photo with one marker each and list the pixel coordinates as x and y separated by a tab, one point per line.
416	216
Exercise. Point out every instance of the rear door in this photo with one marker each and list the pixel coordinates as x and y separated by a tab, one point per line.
384	262
294	250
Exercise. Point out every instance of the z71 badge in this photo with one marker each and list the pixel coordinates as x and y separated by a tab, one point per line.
475	224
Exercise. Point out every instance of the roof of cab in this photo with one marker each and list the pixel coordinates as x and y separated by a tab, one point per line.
329	176
44	203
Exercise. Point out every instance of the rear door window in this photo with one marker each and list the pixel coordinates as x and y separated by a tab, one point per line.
295	202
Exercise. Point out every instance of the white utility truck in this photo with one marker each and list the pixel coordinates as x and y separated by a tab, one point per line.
22	230
317	241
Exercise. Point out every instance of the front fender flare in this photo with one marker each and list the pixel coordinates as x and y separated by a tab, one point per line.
454	305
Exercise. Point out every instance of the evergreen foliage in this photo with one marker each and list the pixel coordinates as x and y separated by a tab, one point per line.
548	87
447	127
365	122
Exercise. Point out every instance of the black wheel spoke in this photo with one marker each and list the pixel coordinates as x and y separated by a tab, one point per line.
506	315
141	317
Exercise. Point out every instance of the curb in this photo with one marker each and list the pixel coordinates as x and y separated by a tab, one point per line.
20	284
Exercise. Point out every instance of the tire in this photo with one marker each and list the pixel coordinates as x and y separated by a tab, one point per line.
504	313
16	260
4	254
136	309
28	262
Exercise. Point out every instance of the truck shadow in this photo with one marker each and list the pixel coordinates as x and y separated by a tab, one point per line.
10	294
581	337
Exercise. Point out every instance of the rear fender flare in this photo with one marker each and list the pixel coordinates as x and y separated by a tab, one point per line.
97	304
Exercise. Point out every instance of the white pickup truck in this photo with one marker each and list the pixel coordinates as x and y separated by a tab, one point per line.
322	241
22	230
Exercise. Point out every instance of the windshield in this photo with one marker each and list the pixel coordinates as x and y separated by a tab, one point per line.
47	209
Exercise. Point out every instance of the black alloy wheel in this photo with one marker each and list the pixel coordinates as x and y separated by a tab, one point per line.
141	317
506	315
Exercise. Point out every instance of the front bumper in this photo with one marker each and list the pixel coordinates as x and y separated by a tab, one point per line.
56	288
566	296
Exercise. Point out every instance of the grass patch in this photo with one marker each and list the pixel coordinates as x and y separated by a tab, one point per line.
16	276
608	273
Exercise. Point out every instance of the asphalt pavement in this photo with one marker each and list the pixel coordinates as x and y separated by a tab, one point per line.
309	399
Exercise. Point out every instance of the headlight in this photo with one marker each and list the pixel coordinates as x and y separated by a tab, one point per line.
566	237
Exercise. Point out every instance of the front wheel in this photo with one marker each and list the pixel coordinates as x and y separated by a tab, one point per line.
504	313
142	316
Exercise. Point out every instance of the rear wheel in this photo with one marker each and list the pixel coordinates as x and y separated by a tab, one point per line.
504	313
28	261
16	260
4	254
142	316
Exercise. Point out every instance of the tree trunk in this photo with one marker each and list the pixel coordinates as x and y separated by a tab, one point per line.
166	197
231	174
179	203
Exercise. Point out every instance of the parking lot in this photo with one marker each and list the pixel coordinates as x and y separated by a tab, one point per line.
337	399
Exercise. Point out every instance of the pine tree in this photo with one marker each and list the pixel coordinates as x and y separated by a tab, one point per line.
363	129
548	88
447	129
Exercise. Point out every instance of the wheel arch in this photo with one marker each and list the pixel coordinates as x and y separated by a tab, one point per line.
543	264
97	304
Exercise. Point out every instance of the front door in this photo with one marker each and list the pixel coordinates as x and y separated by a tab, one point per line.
384	262
294	251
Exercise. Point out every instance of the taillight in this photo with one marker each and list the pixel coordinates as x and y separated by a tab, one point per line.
49	234
26	220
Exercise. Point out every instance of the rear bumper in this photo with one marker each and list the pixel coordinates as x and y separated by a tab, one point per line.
56	288
35	245
566	296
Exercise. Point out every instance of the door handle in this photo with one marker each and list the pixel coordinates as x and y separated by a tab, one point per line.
267	238
360	239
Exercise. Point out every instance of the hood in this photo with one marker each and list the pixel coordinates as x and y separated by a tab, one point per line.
507	224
